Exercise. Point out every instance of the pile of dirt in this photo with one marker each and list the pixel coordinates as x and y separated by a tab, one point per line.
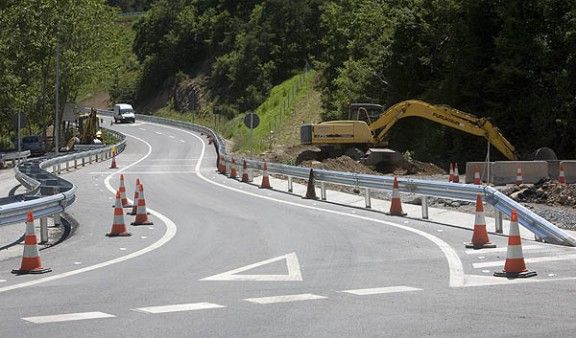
342	163
409	167
546	191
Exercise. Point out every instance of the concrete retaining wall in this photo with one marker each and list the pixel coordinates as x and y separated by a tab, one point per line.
569	170
471	167
532	171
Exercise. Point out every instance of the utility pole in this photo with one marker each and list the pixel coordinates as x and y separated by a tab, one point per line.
56	114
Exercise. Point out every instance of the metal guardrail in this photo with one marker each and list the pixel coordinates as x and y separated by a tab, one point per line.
14	156
41	184
543	229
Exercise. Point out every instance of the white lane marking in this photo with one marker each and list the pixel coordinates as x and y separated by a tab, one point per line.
455	267
527	260
171	136
377	291
182	141
67	317
168	235
478	280
157	132
294	273
172	159
143	129
2	280
179	307
284	299
487	251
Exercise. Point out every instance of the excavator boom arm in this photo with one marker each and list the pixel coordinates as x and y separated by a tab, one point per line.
447	116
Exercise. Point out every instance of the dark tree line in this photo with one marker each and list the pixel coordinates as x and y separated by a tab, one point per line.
512	61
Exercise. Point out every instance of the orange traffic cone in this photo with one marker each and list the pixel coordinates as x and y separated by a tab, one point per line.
514	266
562	176
451	173
396	205
233	173
265	179
456	177
135	199
209	140
141	212
310	189
118	225
477	180
31	263
122	190
113	164
519	178
245	177
480	238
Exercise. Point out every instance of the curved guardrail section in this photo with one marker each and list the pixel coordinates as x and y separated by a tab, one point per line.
49	194
542	228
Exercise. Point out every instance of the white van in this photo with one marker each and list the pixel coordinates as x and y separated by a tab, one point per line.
124	113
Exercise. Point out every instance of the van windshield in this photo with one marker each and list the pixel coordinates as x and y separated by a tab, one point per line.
126	111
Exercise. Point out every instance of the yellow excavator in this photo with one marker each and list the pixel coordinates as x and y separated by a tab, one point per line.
366	132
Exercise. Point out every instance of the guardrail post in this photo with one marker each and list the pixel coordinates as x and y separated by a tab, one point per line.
424	207
53	169
89	159
59	168
96	157
67	166
498	222
57	220
75	163
43	230
290	188
367	199
323	191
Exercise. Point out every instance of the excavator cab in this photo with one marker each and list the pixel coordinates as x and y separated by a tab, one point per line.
367	112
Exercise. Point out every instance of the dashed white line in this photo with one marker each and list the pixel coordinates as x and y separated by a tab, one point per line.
68	317
182	141
179	307
284	299
171	136
143	129
157	132
527	260
377	291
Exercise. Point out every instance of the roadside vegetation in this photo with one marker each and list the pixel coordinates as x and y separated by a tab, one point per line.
511	61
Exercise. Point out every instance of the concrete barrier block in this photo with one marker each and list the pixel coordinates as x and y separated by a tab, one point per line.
569	170
532	171
482	167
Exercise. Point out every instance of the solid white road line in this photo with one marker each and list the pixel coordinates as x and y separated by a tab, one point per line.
168	235
284	299
171	136
487	251
456	278
527	260
149	172
67	317
179	307
377	291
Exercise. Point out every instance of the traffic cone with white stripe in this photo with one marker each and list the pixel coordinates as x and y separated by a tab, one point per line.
118	225
141	212
31	263
135	199
113	164
396	204
514	266
562	176
480	238
451	173
265	179
233	173
122	190
245	177
477	180
519	178
222	165
456	177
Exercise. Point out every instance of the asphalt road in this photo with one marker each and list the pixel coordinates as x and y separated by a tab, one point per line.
226	259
